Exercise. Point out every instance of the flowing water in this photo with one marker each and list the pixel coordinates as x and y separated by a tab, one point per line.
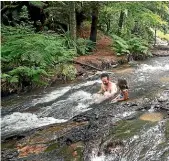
61	103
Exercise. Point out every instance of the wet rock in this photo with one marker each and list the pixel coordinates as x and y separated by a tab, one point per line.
162	99
80	118
166	108
130	104
9	154
132	117
80	70
30	149
160	52
98	125
158	106
114	147
15	137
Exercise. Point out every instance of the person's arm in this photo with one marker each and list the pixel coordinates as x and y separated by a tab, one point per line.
113	89
125	96
101	91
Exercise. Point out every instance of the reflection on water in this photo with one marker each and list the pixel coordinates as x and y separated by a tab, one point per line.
154	116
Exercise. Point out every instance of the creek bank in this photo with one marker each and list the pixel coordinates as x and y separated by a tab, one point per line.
75	138
161	50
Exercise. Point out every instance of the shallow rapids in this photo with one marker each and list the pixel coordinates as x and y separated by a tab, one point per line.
60	104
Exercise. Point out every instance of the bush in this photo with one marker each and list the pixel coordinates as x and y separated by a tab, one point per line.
82	46
136	47
120	45
18	30
27	56
66	71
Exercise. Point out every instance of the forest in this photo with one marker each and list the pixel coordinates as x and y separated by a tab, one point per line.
84	81
41	39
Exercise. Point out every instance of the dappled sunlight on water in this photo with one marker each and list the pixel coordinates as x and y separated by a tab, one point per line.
154	116
164	79
124	71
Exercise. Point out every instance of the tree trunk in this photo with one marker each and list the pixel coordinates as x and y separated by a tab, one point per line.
72	19
155	35
108	25
93	32
121	19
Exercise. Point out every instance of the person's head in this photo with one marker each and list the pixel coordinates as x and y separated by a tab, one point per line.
105	78
122	83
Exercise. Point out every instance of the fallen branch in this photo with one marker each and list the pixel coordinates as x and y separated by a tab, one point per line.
90	66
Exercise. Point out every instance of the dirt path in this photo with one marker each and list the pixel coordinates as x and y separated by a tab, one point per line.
103	57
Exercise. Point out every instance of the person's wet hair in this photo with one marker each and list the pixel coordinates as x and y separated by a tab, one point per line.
122	83
104	75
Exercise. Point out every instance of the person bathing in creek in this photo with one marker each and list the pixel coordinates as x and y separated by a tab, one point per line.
124	92
108	89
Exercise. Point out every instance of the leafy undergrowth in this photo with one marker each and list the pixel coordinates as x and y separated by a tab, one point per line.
135	47
162	35
29	59
103	56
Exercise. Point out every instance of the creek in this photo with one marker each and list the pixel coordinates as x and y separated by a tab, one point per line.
134	130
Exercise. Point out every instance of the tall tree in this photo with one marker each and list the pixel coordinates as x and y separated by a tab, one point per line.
136	18
72	19
95	12
121	19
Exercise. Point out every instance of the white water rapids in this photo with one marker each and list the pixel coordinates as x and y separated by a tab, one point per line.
66	102
144	146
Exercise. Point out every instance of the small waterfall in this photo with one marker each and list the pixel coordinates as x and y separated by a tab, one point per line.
144	146
18	122
51	96
153	68
76	103
60	92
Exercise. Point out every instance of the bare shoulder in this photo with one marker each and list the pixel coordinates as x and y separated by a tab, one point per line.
113	84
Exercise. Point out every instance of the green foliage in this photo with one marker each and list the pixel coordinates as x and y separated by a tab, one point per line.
37	3
162	35
66	71
22	72
13	31
135	46
82	46
120	45
68	41
138	18
24	13
139	48
35	49
30	57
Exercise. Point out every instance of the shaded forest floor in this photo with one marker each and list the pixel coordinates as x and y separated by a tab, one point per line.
102	57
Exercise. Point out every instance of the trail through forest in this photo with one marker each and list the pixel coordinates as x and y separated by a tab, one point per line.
103	56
